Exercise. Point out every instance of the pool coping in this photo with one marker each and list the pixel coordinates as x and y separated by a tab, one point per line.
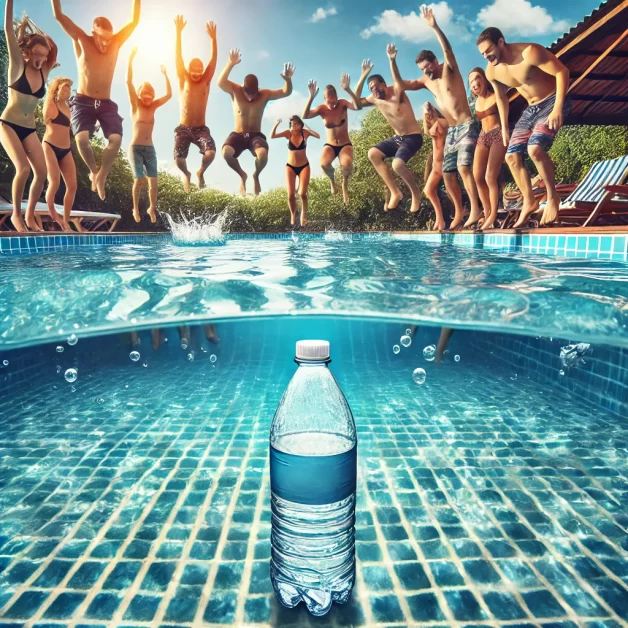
594	243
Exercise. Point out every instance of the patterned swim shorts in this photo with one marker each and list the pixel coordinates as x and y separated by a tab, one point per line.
488	138
460	145
197	135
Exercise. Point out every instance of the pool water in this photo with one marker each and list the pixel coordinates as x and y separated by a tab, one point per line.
495	493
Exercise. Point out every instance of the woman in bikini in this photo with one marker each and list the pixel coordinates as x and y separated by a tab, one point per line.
297	166
490	150
334	114
435	126
57	149
32	55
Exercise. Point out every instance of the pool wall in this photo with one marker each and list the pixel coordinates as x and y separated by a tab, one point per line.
592	246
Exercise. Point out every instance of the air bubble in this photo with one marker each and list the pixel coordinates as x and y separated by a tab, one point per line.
60	349
71	375
561	372
184	343
429	353
73	389
100	400
191	357
5	363
408	332
419	375
406	341
212	358
456	358
145	364
135	356
396	349
72	340
58	369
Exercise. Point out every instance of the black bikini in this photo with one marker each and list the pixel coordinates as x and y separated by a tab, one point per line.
61	120
23	87
338	149
302	146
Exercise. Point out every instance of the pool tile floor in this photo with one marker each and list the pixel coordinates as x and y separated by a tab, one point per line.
145	502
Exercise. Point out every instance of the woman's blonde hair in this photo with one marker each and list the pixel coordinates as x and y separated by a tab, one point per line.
53	89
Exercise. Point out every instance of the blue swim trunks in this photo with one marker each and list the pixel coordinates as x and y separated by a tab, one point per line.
143	161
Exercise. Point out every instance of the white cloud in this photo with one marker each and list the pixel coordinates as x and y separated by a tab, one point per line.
286	107
322	14
412	28
519	17
263	54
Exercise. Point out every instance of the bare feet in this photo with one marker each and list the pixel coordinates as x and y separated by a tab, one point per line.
334	187
152	214
201	178
456	223
439	225
489	223
525	214
293	218
18	223
32	224
187	176
257	188
243	179
472	221
550	213
393	199
345	192
210	334
92	178
136	214
415	207
66	226
100	185
304	221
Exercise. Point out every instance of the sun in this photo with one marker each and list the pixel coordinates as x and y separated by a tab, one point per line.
155	40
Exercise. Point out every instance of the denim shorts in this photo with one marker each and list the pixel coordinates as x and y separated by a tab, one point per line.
143	159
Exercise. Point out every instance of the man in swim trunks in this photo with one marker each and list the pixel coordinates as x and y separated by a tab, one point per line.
336	120
96	58
393	103
193	94
249	102
543	81
142	154
447	85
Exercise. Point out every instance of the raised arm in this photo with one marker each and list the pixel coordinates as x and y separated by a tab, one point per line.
345	83
427	14
399	84
210	70
123	34
503	105
16	61
286	90
129	80
312	88
66	23
356	95
164	99
311	132
543	59
274	135
223	80
179	23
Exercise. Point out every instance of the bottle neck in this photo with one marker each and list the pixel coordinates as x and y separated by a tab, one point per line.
317	362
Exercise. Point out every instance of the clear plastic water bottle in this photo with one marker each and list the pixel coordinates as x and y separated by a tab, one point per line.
313	464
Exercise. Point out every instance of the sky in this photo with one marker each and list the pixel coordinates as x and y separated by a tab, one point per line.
322	40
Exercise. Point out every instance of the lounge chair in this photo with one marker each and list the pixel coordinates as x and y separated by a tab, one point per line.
82	220
602	191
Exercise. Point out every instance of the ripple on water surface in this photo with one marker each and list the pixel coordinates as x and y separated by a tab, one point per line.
46	297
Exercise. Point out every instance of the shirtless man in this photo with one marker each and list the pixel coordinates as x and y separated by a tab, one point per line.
336	120
249	103
447	85
96	58
142	155
193	94
543	81
393	103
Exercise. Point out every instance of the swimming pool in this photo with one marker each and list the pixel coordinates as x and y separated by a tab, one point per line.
492	494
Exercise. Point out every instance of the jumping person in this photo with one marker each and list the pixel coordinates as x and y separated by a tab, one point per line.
334	115
96	58
447	86
58	150
142	155
393	103
249	102
543	81
490	150
435	126
194	85
32	55
297	166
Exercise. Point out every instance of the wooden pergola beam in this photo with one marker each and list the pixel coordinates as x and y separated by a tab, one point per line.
601	98
599	120
616	54
599	76
594	27
601	58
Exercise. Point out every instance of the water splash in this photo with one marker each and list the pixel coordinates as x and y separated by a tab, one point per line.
199	231
337	236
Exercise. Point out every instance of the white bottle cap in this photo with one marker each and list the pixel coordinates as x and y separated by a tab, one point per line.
312	350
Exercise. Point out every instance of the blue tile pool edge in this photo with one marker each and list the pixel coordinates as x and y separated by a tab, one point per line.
593	246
